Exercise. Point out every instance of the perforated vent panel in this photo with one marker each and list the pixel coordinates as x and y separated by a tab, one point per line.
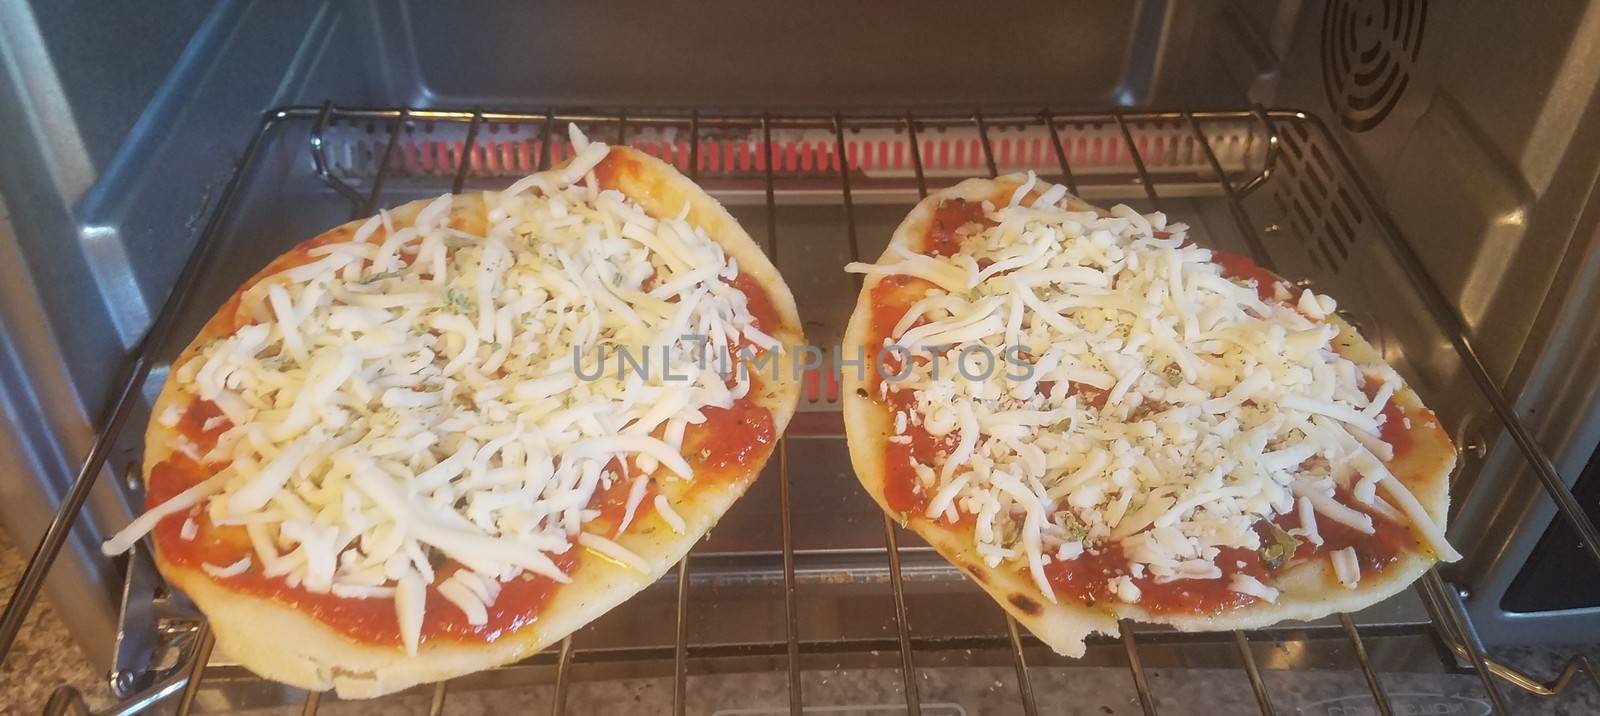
1318	202
1369	48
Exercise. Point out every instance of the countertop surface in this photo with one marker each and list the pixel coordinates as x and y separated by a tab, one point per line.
44	656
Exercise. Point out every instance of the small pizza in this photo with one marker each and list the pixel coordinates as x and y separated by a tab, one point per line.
439	439
1097	419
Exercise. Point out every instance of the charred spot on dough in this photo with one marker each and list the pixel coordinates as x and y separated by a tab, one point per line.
977	574
1026	604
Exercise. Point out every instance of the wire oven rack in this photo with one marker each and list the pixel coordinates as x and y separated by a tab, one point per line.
1257	166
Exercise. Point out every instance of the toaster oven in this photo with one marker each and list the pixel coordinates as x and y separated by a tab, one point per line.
1432	164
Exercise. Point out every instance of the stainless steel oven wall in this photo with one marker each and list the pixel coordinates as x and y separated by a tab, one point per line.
118	122
829	54
1479	125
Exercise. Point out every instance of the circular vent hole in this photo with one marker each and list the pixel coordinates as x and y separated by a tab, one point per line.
1368	50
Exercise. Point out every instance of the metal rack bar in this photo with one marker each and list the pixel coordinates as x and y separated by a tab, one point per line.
547	136
1061	152
1263	699
1258	253
396	129
791	629
465	165
1456	329
843	158
1555	687
313	702
791	611
1138	161
1030	706
680	644
769	155
908	662
694	146
812	120
1269	163
1141	684
121	403
441	690
1258	250
908	665
1241	218
983	141
197	670
558	701
1380	696
319	158
1450	617
916	155
1019	660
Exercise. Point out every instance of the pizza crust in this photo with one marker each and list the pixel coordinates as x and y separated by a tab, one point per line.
1308	590
284	644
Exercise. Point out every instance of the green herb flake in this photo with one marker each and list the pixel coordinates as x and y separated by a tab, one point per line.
1076	529
374	278
1010	532
458	300
1282	549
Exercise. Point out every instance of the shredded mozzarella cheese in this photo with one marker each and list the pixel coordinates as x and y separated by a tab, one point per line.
1220	409
233	570
432	393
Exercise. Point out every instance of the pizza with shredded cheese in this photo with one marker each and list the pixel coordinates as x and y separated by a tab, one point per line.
1095	418
402	452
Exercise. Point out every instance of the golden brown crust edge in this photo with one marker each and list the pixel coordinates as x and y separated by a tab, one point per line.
281	643
1064	626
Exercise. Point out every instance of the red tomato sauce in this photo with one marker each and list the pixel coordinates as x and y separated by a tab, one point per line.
952	214
1087	580
1092	397
612	502
759	302
901	488
718	449
891	297
730	438
1374	552
1393	430
193	425
371	621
